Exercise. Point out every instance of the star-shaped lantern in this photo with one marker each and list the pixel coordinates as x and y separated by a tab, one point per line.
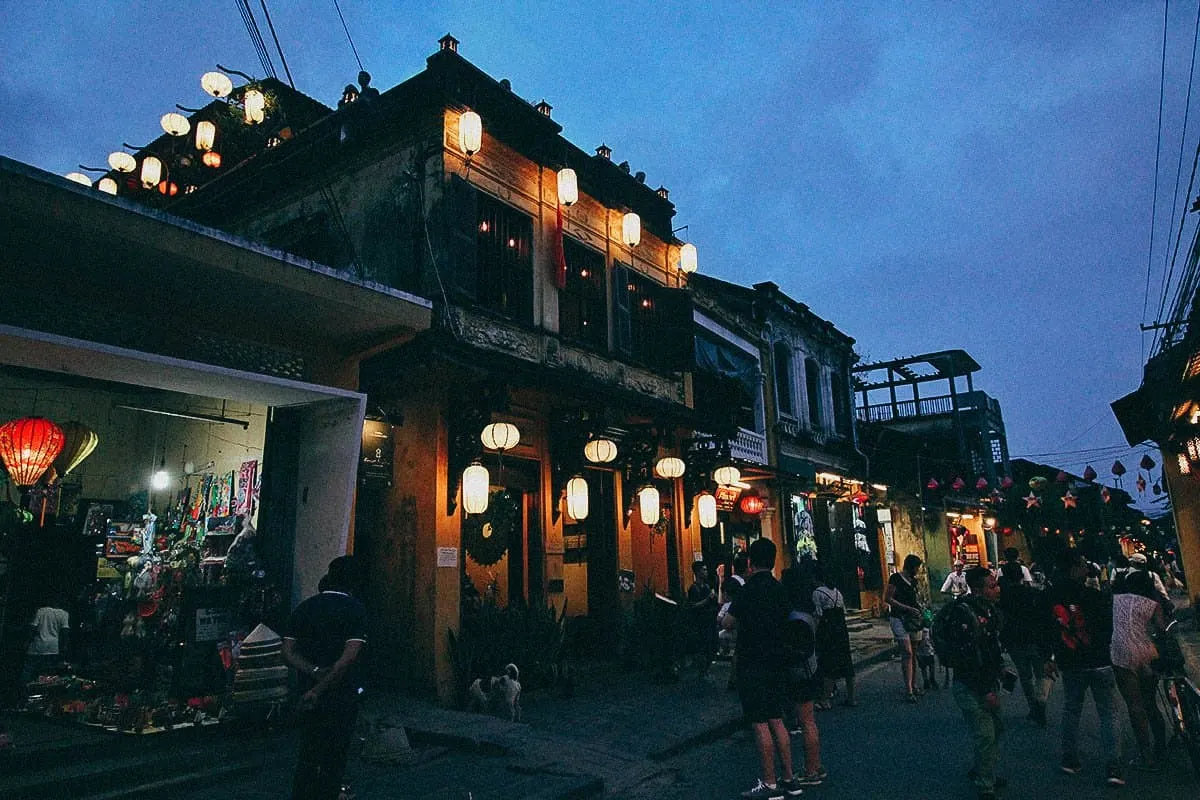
1069	500
1032	501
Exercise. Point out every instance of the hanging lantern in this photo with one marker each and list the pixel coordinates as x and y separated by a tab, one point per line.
107	185
751	505
577	498
168	188
670	467
151	172
217	84
687	258
1089	474
1007	483
78	177
500	436
1038	482
78	443
1062	477
600	450
28	447
727	475
160	480
1185	466
470	133
933	484
1118	468
648	505
254	103
475	482
958	485
1147	463
706	508
175	124
631	229
206	134
211	159
981	484
568	187
122	161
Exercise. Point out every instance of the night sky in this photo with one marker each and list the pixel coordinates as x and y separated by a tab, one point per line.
926	176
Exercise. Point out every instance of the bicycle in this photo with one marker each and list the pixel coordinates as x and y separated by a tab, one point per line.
1181	699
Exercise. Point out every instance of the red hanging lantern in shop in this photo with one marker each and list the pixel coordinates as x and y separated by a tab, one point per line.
958	485
751	505
1007	483
981	484
28	447
933	484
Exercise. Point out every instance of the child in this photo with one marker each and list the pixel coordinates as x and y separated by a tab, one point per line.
925	657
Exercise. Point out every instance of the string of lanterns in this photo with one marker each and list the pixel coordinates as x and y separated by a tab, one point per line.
32	447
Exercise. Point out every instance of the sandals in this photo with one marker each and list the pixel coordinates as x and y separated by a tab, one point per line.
910	697
823	705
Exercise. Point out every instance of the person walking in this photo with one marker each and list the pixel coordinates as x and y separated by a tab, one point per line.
955	584
1136	612
1013	556
804	673
1024	618
1079	631
973	625
729	587
760	614
833	640
701	606
324	641
904	613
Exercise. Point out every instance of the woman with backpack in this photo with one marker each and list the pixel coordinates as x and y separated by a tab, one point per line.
833	641
804	673
904	611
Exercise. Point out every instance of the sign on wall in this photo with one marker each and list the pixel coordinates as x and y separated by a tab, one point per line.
375	461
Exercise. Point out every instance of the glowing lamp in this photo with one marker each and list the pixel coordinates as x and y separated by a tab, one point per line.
706	508
687	258
107	185
254	104
600	451
751	505
470	133
151	172
122	161
217	84
568	187
475	482
670	467
78	177
160	480
500	436
727	476
168	188
648	505
78	443
206	134
631	229
577	498
211	159
28	447
175	124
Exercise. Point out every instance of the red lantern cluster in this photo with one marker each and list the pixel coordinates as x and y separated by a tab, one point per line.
28	447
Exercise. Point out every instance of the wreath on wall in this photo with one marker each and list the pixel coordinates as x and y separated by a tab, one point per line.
485	536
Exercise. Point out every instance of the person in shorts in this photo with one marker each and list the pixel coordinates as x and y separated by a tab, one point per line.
805	683
904	614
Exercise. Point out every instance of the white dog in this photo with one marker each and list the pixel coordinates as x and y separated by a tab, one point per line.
499	694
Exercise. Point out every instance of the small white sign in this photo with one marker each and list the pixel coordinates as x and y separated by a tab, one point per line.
697	555
447	557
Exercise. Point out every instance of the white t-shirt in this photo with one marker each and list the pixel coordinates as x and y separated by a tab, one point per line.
825	598
47	624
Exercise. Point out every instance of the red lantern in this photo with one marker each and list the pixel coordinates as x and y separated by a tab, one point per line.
933	484
981	484
1007	483
211	159
28	447
751	505
958	485
168	188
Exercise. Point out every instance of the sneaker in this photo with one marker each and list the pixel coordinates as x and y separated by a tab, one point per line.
792	788
813	779
1071	766
797	731
761	791
1114	777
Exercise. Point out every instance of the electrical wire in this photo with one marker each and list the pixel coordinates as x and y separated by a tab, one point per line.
1162	82
282	60
260	47
349	38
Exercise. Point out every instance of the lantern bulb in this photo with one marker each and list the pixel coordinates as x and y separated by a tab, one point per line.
475	482
577	498
500	436
568	187
206	134
600	451
648	506
670	467
160	480
107	185
631	229
151	172
78	177
28	447
687	258
217	84
727	476
254	103
175	124
706	506
122	161
470	133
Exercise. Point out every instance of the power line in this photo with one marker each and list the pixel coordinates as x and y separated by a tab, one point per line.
1162	82
260	47
349	38
283	60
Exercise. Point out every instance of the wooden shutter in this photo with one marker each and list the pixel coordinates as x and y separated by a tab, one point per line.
458	267
674	345
622	318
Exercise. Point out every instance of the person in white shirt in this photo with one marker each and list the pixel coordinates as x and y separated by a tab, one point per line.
1012	554
48	642
956	582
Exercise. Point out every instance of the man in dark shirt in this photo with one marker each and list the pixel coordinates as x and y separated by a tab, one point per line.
976	684
325	637
1079	633
701	610
760	613
1022	636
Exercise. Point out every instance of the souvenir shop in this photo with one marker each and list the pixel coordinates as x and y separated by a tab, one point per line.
137	511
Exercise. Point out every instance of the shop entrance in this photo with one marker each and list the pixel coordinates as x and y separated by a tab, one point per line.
503	545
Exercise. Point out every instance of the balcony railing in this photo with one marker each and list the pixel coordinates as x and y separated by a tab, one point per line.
749	446
937	406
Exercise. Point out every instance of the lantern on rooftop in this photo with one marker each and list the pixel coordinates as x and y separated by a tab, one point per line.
78	177
470	133
175	124
648	507
670	467
107	185
254	103
688	258
168	188
151	172
206	134
568	187
631	229
727	475
122	161
577	498
475	482
600	450
500	436
211	159
28	447
706	507
217	84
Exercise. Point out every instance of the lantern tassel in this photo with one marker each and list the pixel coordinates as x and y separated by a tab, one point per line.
560	255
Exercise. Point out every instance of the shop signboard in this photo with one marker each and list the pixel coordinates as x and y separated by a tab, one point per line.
727	497
375	460
212	624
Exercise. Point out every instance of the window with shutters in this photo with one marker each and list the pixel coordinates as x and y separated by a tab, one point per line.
812	385
652	325
490	252
582	308
783	379
841	404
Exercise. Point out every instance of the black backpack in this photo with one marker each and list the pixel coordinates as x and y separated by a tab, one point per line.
955	633
800	647
832	630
